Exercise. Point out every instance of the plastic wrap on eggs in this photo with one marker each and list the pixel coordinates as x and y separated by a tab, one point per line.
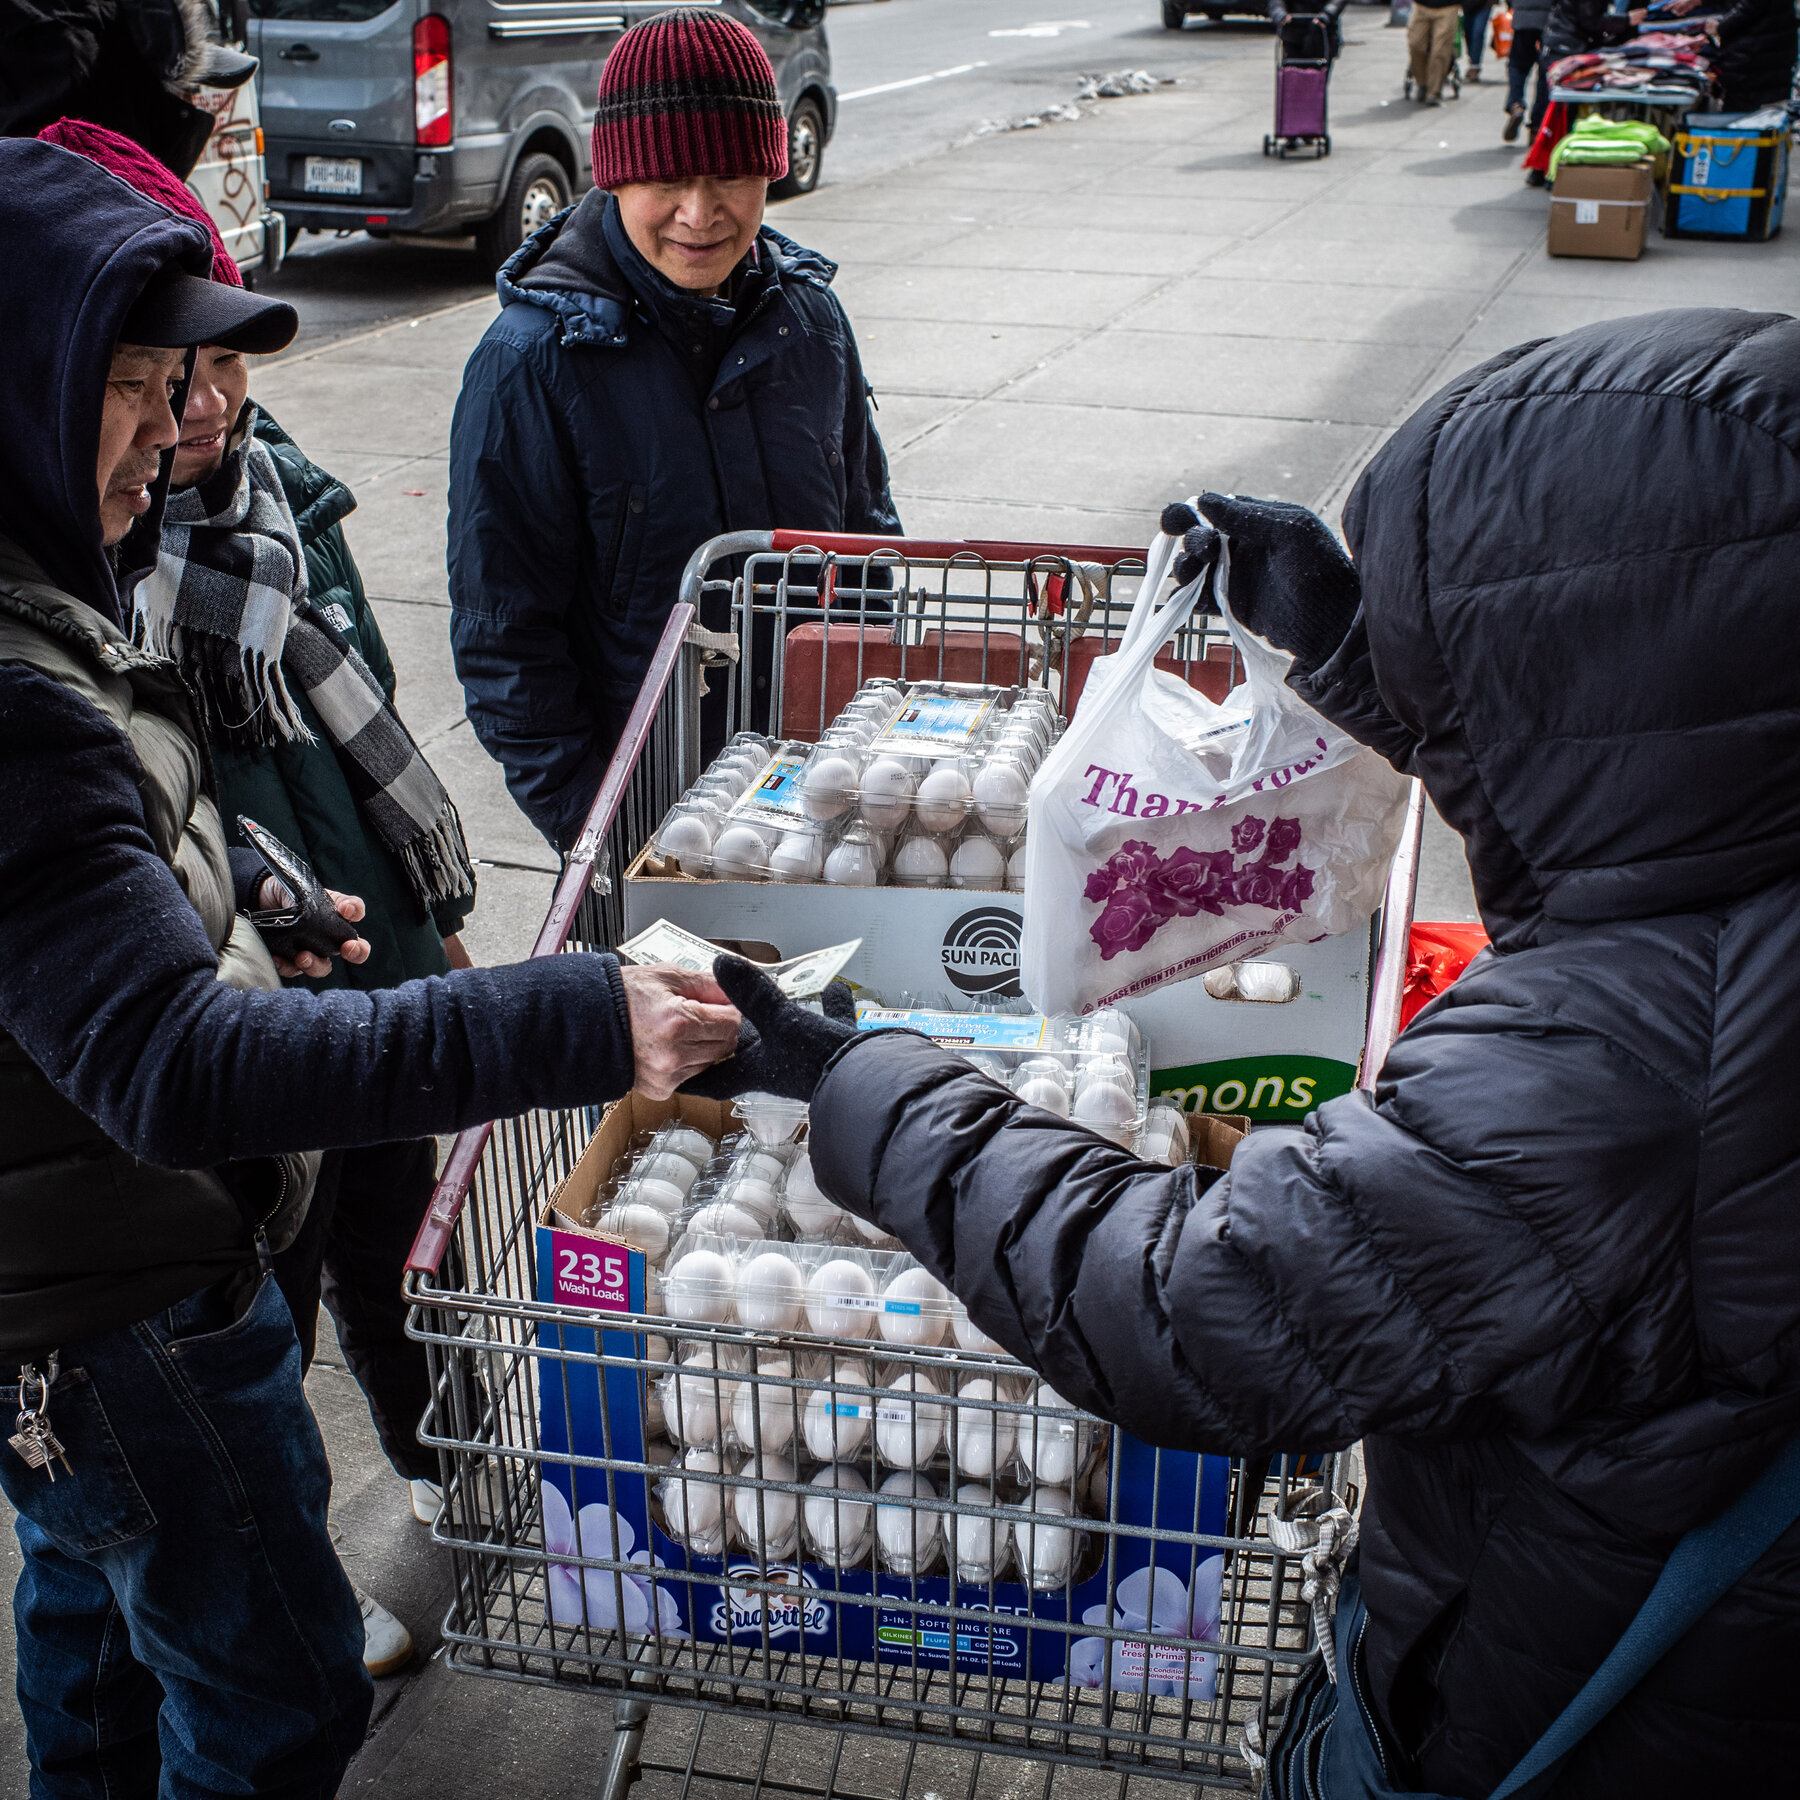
908	1539
1047	1551
767	1521
694	1510
839	1530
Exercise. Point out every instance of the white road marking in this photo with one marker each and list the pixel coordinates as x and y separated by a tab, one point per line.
1047	28
893	87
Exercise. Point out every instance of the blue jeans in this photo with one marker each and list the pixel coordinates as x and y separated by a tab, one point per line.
184	1627
1475	23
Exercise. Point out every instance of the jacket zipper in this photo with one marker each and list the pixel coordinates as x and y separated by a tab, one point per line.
1356	1687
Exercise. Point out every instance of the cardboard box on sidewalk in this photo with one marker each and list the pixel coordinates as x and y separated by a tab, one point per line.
1600	211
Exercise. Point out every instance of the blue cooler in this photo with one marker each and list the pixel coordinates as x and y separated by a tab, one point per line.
1726	181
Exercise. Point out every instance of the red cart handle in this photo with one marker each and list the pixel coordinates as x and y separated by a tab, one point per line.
452	1191
849	543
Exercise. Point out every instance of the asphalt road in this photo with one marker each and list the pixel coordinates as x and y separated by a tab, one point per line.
912	75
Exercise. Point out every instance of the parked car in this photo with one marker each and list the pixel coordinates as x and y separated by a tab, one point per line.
448	116
1176	13
230	180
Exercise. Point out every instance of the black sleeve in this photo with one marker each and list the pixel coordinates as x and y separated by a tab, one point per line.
247	872
110	985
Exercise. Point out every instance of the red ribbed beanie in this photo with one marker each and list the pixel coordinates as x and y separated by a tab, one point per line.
134	164
687	93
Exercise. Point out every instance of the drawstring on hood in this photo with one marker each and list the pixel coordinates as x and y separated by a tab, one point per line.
65	294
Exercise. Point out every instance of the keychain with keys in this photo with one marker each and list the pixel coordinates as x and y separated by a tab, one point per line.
33	1439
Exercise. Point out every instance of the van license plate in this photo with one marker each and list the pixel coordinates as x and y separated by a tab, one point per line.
334	174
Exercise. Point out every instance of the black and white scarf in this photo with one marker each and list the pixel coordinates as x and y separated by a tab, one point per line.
227	601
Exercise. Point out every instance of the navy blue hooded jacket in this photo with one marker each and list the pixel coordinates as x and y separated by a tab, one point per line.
1550	1274
609	424
108	981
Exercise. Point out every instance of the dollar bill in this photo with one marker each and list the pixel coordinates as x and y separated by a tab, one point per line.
799	977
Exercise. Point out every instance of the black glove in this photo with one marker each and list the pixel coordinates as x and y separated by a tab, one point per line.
783	1047
311	920
1290	580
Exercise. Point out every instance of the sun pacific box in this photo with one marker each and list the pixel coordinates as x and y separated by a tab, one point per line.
1273	1061
726	1601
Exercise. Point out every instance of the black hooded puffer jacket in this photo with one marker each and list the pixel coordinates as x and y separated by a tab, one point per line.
1551	1276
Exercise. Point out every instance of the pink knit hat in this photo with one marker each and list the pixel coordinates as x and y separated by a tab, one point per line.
687	93
132	163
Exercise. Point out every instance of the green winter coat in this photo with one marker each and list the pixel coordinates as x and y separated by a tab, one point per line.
298	791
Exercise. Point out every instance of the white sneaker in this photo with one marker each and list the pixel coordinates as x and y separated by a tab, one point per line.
427	1501
387	1644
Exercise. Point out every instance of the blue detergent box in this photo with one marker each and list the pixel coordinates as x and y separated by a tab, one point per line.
601	1512
1726	180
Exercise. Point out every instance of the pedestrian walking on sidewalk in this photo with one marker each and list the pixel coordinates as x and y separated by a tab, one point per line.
1524	56
183	1623
1475	15
1548	1272
1431	48
666	367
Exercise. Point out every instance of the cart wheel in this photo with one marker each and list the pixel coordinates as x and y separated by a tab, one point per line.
624	1765
1268	146
1325	146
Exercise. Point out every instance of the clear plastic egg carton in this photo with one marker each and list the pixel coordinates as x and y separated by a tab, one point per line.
1092	1069
925	785
831	1452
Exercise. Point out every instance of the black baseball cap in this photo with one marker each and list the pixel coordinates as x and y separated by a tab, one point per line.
177	310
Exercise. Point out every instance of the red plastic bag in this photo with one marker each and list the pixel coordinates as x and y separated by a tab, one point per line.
1437	954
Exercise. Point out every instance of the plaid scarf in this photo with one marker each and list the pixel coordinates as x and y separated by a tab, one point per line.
227	601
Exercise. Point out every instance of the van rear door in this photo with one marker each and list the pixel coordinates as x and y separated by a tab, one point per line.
337	106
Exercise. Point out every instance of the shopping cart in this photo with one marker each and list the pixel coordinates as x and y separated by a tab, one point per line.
1302	87
859	1684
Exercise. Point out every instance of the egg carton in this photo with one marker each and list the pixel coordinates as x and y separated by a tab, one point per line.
1093	1069
922	787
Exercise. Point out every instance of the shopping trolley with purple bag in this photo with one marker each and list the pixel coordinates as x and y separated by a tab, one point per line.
1305	45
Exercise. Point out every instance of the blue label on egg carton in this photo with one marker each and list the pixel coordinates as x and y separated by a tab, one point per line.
774	797
937	724
962	1031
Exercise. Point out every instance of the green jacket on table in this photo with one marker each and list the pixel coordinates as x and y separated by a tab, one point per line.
298	790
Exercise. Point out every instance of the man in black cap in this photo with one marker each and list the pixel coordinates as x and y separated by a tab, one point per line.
184	1626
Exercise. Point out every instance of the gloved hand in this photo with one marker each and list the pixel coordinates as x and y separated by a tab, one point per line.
1290	580
782	1047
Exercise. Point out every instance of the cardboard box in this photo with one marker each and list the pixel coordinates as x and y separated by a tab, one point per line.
1270	1061
727	1604
1600	211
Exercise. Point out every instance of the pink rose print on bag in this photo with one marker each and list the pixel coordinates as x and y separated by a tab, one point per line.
1139	891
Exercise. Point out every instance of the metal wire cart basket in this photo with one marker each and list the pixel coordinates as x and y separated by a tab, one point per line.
869	1532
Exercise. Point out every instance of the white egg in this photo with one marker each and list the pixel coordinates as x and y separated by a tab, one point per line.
943	798
695	1147
800	856
1000	790
644	1228
689	840
740	855
767	1522
1053	1447
985	1438
830	789
1107	1034
978	864
979	1541
769	1293
915	1308
720	1218
920	862
839	1530
666	1165
765	1407
909	1538
887	792
696	1398
695	1510
698	1288
1046	1552
1047	1092
969	1335
909	1432
869	1231
836	1424
1113	1069
853	864
811	1213
1105	1107
840	1300
652	1190
753	1196
1015	871
759	1163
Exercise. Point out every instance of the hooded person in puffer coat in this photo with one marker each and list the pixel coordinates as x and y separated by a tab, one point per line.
1549	1273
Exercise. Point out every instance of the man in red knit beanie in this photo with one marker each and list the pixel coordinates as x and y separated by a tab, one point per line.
666	368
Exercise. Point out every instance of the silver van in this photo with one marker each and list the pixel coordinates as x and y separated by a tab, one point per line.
450	116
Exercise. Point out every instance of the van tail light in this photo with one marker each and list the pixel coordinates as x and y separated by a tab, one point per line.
431	81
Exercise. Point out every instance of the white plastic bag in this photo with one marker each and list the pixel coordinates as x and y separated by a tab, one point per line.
1171	833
